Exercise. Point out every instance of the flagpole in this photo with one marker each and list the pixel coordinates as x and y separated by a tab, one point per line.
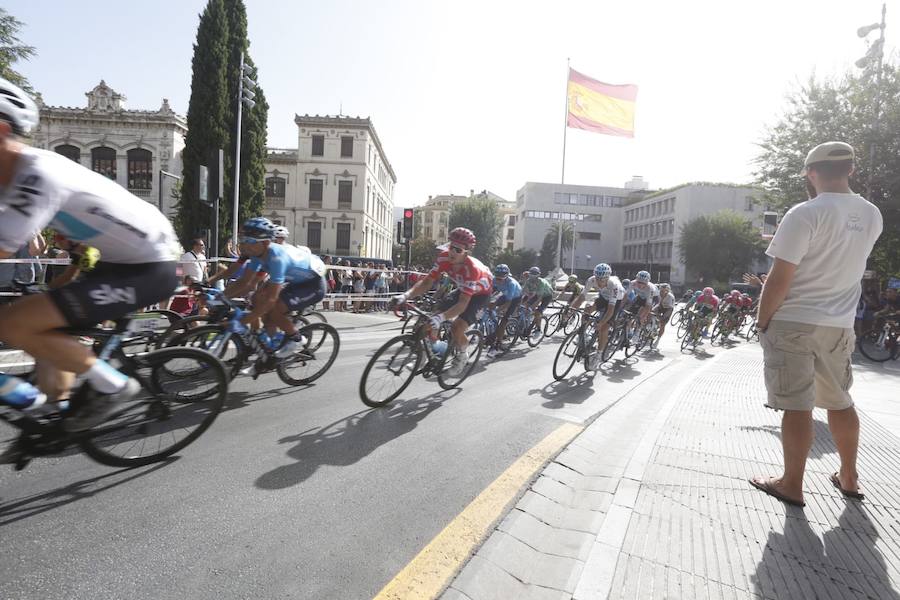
563	177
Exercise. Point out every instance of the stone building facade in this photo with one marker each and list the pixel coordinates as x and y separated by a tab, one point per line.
335	191
128	146
432	219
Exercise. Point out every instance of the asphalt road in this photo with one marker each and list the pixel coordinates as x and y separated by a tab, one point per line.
294	493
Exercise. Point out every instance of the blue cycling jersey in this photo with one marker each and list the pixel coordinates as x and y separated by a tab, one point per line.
288	264
509	288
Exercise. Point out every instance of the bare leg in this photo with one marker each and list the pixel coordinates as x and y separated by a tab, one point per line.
796	440
844	425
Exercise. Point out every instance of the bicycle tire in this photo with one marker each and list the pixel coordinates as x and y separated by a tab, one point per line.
567	355
535	336
443	377
868	345
413	352
685	341
677	318
224	345
572	323
613	343
716	337
178	327
589	347
552	324
160	410
314	316
316	335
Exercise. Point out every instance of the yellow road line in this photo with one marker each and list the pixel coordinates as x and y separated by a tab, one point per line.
431	570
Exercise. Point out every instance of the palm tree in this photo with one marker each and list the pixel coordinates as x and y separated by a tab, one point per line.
568	237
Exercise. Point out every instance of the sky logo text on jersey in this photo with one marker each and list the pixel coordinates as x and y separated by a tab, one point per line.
107	294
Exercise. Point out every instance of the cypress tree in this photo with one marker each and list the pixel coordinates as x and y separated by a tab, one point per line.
206	117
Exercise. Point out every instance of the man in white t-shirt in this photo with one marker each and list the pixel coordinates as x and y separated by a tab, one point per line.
806	315
190	265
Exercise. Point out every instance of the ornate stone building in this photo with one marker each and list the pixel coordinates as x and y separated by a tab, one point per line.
129	146
335	192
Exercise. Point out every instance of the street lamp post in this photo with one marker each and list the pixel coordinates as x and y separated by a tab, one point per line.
246	85
874	54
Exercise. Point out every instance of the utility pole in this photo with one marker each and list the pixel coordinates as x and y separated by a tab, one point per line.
246	85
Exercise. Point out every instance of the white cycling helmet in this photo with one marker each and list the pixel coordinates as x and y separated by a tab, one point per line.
643	277
281	232
17	108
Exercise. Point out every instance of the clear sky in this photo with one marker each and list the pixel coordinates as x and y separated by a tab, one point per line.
471	94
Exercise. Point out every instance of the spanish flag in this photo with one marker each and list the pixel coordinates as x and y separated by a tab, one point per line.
600	107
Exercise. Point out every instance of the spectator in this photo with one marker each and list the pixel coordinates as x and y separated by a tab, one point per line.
359	287
230	251
330	279
806	316
23	272
346	284
194	263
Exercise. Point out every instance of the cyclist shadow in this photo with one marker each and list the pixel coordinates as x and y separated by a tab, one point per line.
18	510
568	391
619	370
243	399
350	439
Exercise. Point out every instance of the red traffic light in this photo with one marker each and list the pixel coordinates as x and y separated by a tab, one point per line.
407	213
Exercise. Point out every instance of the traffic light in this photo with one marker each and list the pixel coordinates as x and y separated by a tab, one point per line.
408	223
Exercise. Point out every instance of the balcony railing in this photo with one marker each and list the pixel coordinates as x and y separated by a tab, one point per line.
141	192
273	202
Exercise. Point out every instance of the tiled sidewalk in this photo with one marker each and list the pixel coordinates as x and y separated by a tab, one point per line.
653	502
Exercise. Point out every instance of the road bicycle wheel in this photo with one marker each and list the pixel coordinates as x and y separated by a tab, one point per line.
180	326
473	351
677	318
716	336
535	335
215	339
567	355
409	321
686	341
314	316
589	347
683	327
314	359
753	332
878	346
614	342
185	389
572	322
390	370
552	324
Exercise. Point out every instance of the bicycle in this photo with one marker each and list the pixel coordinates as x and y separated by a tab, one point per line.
522	324
488	323
182	392
566	318
881	344
396	363
580	345
319	350
694	332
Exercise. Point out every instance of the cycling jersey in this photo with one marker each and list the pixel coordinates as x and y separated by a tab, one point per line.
573	288
472	277
537	286
667	302
612	291
646	291
84	206
508	288
287	264
711	301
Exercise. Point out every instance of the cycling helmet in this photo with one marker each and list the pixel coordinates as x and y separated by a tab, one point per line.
17	108
281	231
535	271
697	294
463	237
573	278
708	291
602	270
501	270
664	286
643	277
626	283
259	228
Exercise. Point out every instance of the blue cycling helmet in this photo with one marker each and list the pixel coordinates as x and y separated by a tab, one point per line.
259	228
501	270
626	283
534	271
602	270
643	277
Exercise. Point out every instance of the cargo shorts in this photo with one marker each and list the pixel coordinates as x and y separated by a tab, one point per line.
807	366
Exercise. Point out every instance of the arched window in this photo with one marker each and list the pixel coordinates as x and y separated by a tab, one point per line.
140	169
69	151
103	161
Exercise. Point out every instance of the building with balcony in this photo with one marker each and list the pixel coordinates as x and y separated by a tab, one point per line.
335	191
432	219
128	146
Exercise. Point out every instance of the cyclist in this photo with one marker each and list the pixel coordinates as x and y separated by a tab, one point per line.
646	295
610	294
507	291
474	283
281	234
628	299
666	307
296	279
686	297
137	244
537	294
705	307
574	288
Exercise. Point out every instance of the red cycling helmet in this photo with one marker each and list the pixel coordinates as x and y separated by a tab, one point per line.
462	236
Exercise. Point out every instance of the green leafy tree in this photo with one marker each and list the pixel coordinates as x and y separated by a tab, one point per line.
841	109
206	118
423	252
482	217
719	247
568	238
12	50
517	260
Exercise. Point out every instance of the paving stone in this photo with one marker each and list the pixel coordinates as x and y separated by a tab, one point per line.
547	539
529	565
483	580
559	516
453	594
580	482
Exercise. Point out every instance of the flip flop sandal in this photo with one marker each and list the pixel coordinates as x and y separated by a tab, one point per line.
770	490
836	482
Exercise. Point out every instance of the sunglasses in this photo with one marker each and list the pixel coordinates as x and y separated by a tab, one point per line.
249	240
457	249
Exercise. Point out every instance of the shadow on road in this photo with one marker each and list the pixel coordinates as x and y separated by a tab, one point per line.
574	390
822	443
17	510
348	440
243	399
620	370
844	563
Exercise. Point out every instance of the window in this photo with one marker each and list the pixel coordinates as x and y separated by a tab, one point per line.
69	151
318	145
346	147
509	246
343	238
275	192
140	169
103	161
594	218
589	235
510	234
750	203
314	236
345	195
512	220
315	193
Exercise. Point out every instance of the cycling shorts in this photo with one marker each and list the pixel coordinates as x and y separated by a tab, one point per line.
298	296
476	303
665	313
544	302
512	307
601	304
112	290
